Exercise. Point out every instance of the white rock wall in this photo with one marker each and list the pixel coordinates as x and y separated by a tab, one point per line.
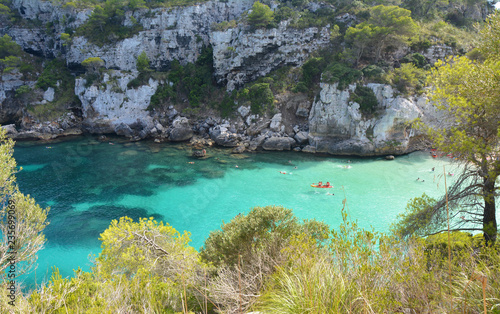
337	126
242	55
170	34
112	103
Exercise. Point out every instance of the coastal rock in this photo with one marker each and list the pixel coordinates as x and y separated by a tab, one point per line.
301	138
257	127
223	137
181	134
437	52
238	149
49	94
278	143
309	149
10	129
337	125
112	103
244	111
178	33
181	130
242	56
124	130
275	124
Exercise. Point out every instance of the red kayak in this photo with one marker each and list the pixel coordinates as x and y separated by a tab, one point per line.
322	186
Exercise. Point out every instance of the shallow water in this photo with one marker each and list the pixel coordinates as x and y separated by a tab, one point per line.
88	183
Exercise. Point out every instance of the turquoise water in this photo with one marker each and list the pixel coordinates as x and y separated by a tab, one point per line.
88	183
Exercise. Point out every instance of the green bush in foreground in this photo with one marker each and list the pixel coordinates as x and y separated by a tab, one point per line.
267	261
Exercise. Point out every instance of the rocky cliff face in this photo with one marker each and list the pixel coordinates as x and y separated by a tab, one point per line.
241	55
108	105
338	126
331	124
169	34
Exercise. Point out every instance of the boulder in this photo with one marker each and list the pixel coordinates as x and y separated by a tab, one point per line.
256	128
278	143
238	149
301	138
223	137
10	129
309	149
275	124
124	130
181	134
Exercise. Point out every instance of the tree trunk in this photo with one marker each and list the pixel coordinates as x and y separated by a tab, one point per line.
489	217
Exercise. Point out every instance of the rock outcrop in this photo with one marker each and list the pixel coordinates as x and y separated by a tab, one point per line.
242	55
108	105
337	125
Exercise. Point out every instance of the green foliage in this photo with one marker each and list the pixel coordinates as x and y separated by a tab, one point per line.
227	106
6	15
164	94
386	24
263	228
341	73
55	75
145	266
416	59
407	79
53	72
224	25
473	136
193	82
12	57
261	98
311	71
21	219
66	38
418	218
140	80
93	64
261	15
372	71
23	90
8	47
420	44
366	99
105	25
142	63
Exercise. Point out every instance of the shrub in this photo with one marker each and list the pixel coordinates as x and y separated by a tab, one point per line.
23	90
344	75
227	106
311	71
261	15
417	59
164	94
92	64
261	97
408	78
142	63
366	99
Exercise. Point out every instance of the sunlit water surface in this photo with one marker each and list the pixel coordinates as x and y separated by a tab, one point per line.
87	183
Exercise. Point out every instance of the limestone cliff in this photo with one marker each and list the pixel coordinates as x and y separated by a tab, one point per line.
241	55
331	123
338	126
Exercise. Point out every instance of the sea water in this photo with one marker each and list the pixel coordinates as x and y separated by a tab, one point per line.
87	183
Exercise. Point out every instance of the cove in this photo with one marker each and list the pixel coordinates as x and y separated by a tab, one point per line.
87	183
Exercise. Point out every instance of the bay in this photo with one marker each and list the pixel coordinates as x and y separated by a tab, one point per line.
87	183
